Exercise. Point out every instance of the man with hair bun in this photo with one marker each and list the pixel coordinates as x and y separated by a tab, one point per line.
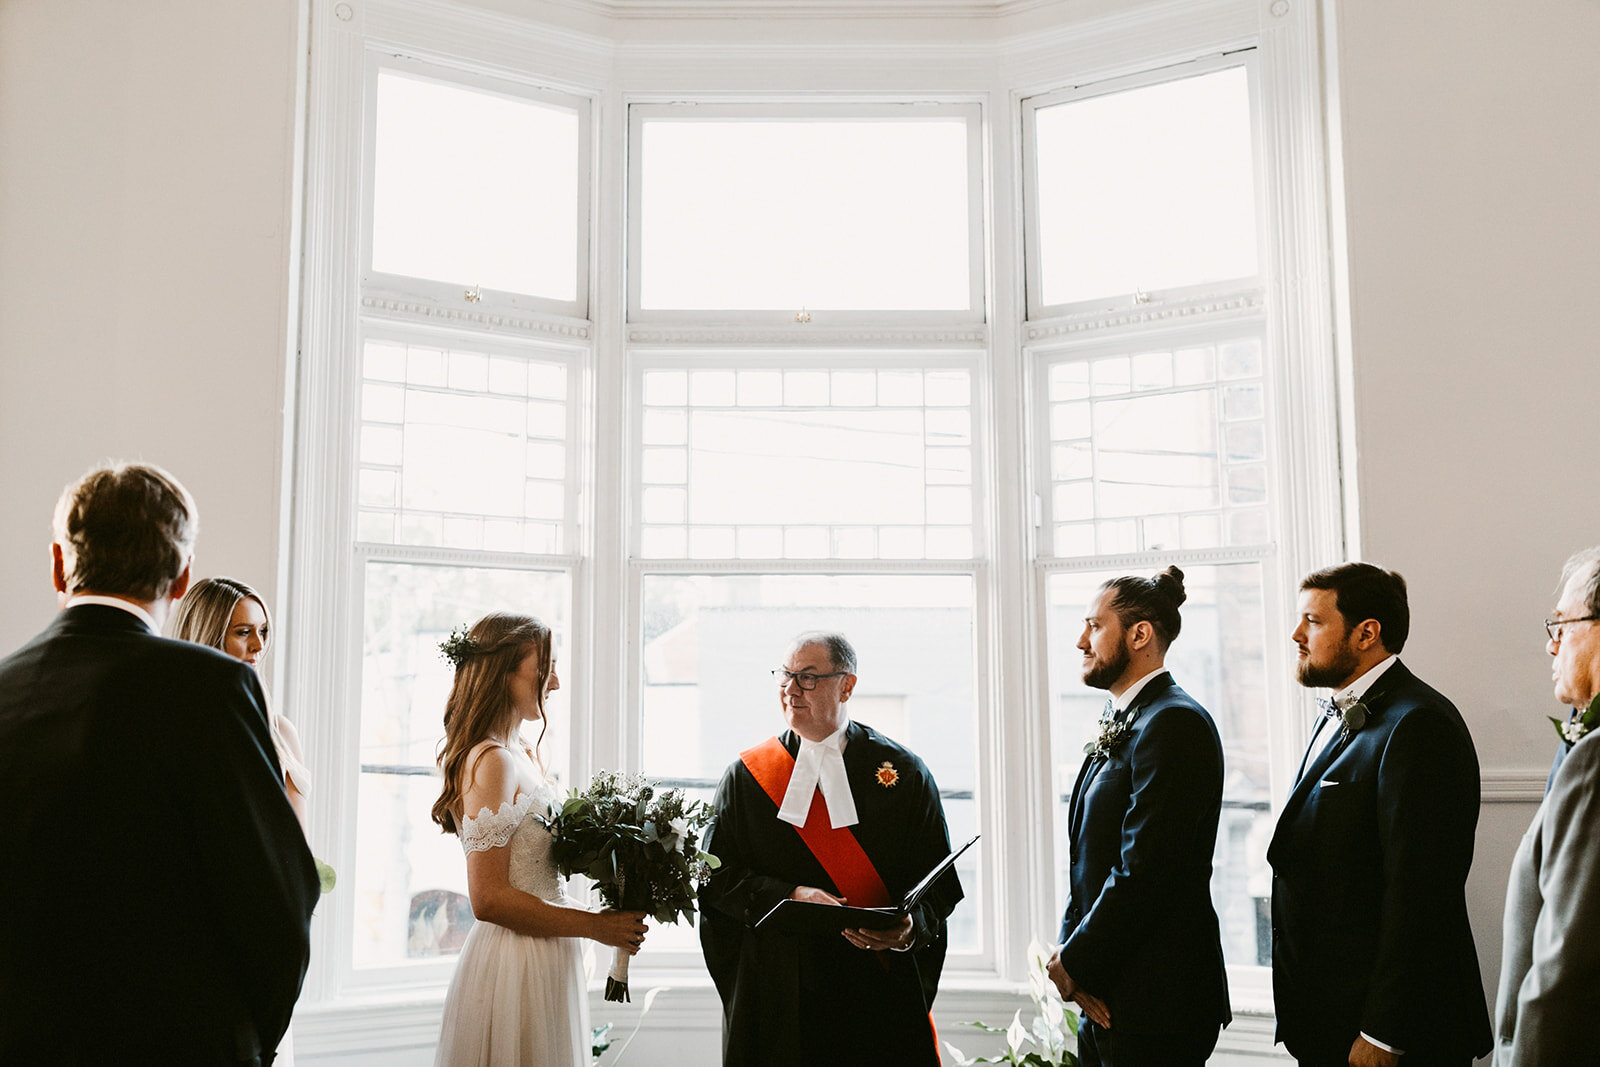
1373	962
1140	947
157	887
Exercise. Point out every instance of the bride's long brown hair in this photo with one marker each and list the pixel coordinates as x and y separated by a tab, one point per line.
479	706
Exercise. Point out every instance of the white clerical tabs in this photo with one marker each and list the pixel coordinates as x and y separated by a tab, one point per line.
807	917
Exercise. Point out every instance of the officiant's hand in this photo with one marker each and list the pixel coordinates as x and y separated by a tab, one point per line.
897	938
814	896
621	929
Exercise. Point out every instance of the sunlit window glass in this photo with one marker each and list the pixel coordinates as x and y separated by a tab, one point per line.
861	214
812	463
1145	189
1157	449
475	188
463	449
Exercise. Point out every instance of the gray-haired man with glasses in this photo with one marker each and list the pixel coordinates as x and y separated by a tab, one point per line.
833	812
1544	1011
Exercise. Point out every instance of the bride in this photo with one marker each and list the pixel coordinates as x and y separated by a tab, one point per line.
519	995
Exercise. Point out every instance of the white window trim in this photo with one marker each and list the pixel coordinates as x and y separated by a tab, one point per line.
466	295
998	70
1222	288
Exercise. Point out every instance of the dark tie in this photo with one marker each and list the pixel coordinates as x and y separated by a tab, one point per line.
1330	710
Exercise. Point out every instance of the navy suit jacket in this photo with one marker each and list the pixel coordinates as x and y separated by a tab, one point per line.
1140	931
157	887
1370	860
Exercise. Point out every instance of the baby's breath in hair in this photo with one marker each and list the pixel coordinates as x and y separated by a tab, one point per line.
458	646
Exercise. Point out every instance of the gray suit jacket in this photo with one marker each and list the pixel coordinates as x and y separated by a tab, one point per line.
1544	1012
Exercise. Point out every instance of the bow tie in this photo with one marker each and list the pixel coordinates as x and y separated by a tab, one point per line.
1330	710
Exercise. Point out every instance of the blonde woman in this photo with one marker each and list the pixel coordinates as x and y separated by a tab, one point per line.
229	615
518	998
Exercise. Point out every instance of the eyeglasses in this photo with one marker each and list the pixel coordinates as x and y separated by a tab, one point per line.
806	680
1553	626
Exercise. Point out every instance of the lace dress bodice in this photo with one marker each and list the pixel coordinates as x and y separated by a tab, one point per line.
516	826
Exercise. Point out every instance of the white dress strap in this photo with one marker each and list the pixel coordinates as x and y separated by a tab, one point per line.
494	829
294	770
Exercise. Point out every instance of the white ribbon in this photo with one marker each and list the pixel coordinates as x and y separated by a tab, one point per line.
820	765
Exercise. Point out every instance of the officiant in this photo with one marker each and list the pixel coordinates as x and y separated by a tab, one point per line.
829	811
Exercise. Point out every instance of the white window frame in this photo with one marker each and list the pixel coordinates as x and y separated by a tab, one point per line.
1297	362
1211	64
404	289
998	69
788	109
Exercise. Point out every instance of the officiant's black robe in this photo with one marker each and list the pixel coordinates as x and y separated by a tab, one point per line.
818	999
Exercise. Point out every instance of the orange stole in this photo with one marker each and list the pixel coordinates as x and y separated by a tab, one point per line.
840	854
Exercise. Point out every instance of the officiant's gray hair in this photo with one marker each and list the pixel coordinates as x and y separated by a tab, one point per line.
125	529
1585	566
841	653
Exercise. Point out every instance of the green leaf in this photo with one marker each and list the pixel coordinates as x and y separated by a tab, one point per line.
1591	714
326	877
1558	724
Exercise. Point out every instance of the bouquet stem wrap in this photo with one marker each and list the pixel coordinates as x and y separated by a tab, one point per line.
631	899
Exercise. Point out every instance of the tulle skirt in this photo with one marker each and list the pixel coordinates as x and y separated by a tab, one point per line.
516	1001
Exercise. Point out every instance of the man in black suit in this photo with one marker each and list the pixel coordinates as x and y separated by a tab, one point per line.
1372	955
1141	951
156	885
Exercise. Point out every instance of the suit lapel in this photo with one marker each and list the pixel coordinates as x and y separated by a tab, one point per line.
1092	765
1313	768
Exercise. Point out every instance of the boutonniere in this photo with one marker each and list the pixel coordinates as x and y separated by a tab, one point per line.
1354	718
1114	730
1573	730
887	776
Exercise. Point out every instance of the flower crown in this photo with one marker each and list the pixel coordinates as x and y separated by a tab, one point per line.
458	646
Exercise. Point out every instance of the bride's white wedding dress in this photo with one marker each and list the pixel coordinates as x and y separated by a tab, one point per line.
517	1001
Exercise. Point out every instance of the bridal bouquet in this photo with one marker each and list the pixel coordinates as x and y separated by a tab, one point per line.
639	846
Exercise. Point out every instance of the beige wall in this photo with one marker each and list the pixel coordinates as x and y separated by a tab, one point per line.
145	235
1471	150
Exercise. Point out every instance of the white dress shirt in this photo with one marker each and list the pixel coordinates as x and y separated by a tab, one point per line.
1341	700
115	602
820	765
1125	701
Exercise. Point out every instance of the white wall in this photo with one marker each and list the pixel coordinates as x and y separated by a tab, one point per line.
146	186
1472	218
145	235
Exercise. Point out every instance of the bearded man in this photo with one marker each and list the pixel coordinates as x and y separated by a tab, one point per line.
1140	949
1373	962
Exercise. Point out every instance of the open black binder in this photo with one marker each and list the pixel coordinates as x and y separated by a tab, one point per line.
806	917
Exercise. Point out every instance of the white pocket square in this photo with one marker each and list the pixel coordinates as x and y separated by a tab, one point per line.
1327	782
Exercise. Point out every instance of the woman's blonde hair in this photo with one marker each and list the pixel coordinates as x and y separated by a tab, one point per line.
206	609
479	706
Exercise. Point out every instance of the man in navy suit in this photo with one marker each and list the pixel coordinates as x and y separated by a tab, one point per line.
1372	956
156	885
1141	951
